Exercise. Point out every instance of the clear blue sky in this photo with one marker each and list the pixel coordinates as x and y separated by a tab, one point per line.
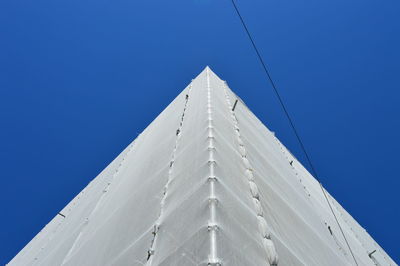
80	78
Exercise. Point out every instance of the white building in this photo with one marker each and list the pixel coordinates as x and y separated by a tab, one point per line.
203	184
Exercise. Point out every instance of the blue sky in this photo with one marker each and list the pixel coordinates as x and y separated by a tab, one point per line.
79	79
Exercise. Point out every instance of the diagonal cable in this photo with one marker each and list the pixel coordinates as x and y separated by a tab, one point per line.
269	78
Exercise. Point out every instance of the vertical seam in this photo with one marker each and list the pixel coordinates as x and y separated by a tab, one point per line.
264	230
212	226
156	227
